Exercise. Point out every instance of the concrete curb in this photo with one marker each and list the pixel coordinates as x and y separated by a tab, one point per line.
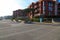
45	23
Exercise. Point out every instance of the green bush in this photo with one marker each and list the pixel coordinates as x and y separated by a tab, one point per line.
35	19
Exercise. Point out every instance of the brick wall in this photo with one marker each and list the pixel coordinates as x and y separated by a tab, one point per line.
42	7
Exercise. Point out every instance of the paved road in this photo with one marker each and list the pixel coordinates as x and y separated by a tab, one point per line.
19	31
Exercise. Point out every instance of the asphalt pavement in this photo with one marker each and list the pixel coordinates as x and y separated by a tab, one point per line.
19	31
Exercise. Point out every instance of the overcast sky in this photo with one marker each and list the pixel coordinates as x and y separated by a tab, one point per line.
8	6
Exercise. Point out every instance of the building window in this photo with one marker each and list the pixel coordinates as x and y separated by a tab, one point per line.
35	6
50	4
50	8
49	13
35	10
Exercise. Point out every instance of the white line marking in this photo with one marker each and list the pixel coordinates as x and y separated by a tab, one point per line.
18	33
11	26
24	32
46	34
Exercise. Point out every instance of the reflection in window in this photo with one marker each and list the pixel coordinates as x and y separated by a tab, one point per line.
50	8
50	4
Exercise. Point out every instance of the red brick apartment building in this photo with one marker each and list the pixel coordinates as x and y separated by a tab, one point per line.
22	14
44	7
17	13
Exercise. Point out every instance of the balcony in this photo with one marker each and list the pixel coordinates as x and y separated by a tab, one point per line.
37	14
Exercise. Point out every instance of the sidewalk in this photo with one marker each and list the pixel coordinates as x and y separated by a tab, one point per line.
46	23
41	23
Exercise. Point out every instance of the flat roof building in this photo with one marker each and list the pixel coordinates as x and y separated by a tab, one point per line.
45	7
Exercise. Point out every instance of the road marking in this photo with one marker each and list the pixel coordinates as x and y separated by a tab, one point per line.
24	32
46	34
19	33
13	25
9	27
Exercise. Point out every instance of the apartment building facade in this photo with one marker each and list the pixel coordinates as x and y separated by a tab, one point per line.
45	7
42	9
58	9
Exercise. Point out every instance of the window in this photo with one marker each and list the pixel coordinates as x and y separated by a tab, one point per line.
50	4
49	13
50	8
35	6
35	10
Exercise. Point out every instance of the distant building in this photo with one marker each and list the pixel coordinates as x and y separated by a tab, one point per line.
22	14
17	13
